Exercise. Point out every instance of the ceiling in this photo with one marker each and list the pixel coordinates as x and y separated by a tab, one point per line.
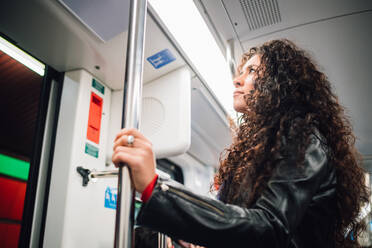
50	32
234	19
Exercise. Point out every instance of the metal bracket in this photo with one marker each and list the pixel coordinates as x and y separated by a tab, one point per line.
84	173
93	175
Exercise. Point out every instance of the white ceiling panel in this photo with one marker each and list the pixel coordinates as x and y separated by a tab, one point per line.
296	13
104	20
231	17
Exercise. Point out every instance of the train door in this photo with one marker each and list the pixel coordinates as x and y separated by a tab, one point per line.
29	95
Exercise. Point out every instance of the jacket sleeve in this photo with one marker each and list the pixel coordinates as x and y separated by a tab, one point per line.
270	222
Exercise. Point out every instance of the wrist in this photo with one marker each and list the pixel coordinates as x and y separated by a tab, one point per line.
146	193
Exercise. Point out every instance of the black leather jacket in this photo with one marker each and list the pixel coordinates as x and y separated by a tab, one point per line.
296	210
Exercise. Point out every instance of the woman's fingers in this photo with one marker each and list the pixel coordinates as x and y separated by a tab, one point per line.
188	245
138	139
169	243
184	244
131	131
136	158
123	141
122	157
126	155
138	155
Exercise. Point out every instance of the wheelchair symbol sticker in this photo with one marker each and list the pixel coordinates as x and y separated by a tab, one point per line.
111	195
161	58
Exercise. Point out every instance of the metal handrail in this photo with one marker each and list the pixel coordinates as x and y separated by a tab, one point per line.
131	118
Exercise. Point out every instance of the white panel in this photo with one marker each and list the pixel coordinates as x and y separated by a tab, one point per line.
76	215
166	114
210	133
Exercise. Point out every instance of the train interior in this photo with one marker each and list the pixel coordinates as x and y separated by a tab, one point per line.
62	74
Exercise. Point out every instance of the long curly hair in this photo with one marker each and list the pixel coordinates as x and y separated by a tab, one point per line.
292	99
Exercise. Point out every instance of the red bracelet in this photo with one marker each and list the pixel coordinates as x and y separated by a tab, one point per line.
148	190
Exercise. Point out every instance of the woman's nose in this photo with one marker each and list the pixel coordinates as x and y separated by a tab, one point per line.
238	82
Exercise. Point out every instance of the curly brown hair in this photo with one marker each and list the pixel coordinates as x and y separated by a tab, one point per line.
292	99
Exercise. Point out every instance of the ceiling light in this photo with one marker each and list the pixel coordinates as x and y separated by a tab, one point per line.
22	57
189	30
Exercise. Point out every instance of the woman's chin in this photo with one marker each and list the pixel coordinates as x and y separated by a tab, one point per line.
240	108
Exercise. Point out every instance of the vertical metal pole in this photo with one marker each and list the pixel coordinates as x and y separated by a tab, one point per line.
230	56
162	240
131	118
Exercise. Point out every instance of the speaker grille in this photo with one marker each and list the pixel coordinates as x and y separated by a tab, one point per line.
153	116
260	13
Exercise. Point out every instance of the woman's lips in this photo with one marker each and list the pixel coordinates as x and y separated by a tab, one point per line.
236	93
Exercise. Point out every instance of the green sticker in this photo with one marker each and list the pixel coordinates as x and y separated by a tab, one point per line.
98	86
91	150
14	167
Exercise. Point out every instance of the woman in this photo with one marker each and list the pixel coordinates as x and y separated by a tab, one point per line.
291	178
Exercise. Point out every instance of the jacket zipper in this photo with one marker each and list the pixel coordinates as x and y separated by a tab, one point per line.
165	187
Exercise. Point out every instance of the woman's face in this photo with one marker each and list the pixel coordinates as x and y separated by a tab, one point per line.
244	83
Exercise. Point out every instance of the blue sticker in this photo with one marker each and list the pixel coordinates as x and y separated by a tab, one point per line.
161	58
111	195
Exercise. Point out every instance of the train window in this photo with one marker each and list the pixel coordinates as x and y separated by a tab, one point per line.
21	87
173	170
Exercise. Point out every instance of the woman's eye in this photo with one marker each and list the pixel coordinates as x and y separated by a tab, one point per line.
251	70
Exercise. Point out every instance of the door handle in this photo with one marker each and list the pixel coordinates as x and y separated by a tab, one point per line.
92	175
